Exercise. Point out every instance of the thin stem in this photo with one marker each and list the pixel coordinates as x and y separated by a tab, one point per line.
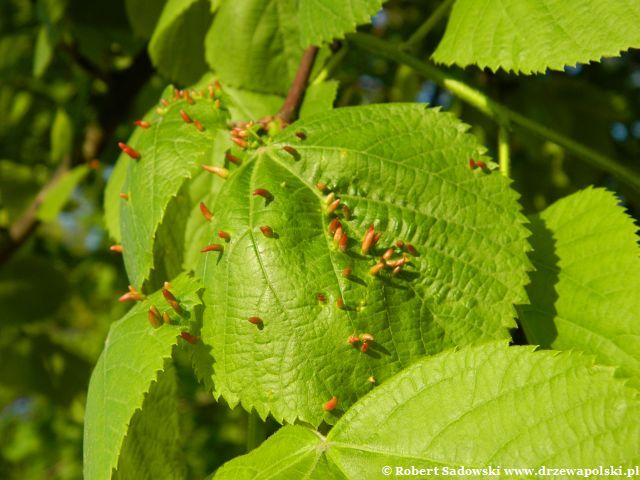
256	431
289	109
333	62
504	154
428	25
494	110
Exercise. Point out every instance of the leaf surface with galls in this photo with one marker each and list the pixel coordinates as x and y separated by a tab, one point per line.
487	405
172	151
404	170
133	355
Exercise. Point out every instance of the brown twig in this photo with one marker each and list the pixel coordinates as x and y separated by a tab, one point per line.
291	105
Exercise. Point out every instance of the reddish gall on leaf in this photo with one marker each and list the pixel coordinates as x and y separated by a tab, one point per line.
321	298
166	319
352	340
331	404
301	135
206	213
220	171
333	206
364	347
261	192
346	272
342	244
412	250
171	300
224	235
240	142
198	125
123	196
255	320
376	268
192	339
334	225
154	316
367	240
267	231
291	151
321	186
216	247
185	116
142	124
132	294
129	151
116	248
337	236
232	158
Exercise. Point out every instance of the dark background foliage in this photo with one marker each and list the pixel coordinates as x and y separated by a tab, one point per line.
73	77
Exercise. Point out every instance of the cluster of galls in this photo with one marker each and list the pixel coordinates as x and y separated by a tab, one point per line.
189	96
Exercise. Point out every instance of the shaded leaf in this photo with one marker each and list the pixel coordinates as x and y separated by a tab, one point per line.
584	291
176	46
152	448
143	15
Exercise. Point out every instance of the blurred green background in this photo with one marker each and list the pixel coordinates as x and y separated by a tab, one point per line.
73	77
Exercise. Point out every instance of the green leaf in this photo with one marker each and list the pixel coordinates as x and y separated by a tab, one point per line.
247	105
152	448
319	98
143	15
489	405
254	45
402	168
43	52
531	36
171	151
292	452
323	20
134	353
176	47
61	136
19	184
56	198
112	200
584	292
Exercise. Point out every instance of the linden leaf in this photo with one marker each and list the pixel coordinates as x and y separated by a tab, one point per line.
401	168
489	405
133	355
531	36
584	291
171	151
